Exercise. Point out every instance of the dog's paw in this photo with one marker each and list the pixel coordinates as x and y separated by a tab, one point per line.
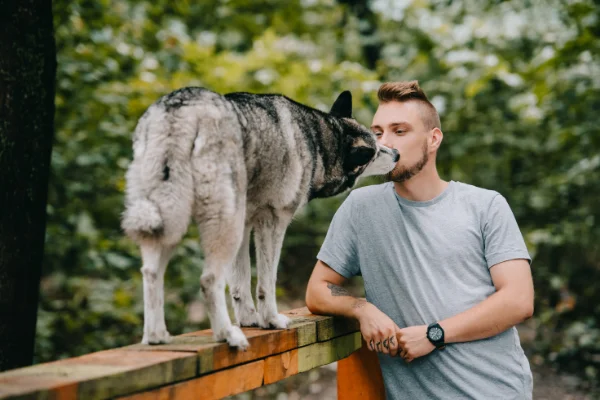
249	318
160	337
278	321
236	338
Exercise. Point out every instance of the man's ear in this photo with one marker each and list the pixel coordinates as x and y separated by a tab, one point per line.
342	107
436	138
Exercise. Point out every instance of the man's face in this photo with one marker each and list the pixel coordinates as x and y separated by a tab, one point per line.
400	126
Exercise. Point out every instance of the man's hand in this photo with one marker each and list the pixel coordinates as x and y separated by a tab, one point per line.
413	342
378	330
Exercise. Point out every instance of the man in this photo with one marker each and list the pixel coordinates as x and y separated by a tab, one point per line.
445	269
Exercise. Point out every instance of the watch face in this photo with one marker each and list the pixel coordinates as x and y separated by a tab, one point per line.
435	333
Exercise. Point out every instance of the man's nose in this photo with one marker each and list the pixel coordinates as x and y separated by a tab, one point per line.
385	141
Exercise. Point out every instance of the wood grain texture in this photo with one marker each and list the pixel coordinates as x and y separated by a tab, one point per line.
274	355
212	386
327	327
281	366
99	375
359	376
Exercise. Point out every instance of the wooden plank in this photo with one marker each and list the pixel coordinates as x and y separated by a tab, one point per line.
359	376
139	367
281	366
323	353
327	327
23	387
212	386
249	376
213	356
100	375
306	328
263	343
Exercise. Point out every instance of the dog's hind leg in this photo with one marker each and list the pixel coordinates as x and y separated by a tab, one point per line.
268	235
155	258
221	239
240	285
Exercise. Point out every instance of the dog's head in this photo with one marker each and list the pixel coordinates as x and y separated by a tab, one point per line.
362	154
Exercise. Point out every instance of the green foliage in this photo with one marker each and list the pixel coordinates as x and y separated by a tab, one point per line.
517	86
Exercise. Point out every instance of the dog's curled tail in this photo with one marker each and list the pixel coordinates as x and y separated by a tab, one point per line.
142	219
159	183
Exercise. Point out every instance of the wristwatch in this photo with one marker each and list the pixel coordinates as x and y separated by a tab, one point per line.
435	334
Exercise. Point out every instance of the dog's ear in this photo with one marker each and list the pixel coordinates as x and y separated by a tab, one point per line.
359	156
342	107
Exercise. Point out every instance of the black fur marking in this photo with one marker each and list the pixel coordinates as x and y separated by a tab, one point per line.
359	156
342	107
180	97
236	298
166	171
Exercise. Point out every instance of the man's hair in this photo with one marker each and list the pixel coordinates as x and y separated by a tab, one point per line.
410	91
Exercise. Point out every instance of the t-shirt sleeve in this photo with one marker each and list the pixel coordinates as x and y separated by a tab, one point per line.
502	238
339	248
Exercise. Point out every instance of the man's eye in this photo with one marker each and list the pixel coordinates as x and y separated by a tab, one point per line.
378	134
399	132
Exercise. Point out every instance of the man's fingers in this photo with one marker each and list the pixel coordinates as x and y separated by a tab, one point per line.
393	346
404	353
371	344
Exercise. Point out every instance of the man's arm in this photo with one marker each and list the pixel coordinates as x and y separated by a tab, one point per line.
510	305
326	295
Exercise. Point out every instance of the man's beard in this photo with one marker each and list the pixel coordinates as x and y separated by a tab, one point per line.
401	174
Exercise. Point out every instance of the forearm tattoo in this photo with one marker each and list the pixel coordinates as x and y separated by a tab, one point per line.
338	290
359	303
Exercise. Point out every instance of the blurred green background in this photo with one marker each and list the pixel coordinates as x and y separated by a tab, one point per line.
517	85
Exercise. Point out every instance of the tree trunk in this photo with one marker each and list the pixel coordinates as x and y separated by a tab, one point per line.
27	75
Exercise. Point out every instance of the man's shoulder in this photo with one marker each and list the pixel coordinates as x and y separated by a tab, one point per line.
474	194
369	193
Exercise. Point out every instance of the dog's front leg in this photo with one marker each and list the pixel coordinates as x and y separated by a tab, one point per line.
268	236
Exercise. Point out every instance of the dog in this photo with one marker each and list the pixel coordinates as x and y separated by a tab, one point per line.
235	163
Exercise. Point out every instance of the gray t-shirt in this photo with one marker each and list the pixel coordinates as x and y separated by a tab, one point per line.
426	261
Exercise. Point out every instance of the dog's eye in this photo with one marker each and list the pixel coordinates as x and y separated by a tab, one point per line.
360	156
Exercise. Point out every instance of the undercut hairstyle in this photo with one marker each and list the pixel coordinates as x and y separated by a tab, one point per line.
410	91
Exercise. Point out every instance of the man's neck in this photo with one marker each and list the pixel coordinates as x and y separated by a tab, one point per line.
424	186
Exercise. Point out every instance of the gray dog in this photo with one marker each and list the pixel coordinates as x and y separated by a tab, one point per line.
235	163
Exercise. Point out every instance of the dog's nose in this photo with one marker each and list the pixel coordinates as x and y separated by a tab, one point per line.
396	155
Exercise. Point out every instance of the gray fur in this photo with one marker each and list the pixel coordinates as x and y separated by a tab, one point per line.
235	164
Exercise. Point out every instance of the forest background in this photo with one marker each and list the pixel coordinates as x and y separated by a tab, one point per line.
516	84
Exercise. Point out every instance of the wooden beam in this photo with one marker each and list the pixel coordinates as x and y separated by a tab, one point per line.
99	375
310	341
257	373
209	387
327	326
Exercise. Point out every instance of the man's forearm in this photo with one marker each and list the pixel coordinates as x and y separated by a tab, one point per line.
328	298
497	313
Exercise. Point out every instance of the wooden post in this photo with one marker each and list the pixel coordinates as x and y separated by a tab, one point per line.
359	376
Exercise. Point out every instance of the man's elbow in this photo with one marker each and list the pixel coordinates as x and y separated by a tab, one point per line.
524	310
311	301
527	311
